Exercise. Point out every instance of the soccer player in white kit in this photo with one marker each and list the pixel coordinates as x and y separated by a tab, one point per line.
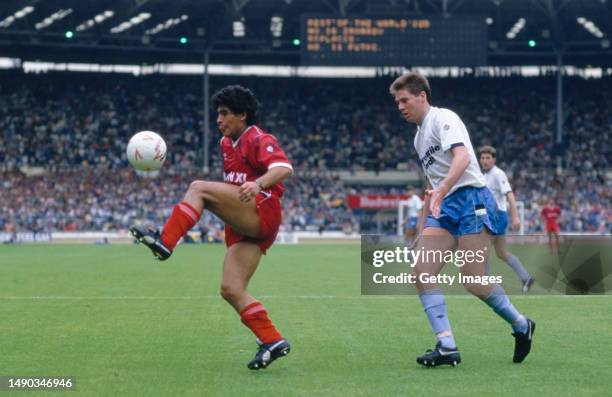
459	213
498	184
415	205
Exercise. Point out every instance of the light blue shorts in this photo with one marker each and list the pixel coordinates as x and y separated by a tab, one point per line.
412	223
467	211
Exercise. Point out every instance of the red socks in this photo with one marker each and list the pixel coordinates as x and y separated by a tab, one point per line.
256	318
182	219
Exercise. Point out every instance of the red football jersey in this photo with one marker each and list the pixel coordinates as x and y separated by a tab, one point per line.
252	155
551	213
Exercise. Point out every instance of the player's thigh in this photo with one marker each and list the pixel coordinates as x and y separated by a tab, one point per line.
501	247
222	200
432	244
240	263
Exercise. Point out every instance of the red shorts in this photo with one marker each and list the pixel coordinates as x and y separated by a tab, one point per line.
552	227
269	211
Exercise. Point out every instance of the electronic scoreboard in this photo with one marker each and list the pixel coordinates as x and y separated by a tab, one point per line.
393	41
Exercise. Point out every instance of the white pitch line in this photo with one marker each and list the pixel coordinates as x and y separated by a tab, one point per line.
201	297
314	297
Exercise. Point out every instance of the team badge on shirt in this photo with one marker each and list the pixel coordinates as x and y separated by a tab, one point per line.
269	148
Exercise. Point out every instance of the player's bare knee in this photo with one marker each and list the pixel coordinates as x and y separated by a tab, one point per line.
230	292
197	188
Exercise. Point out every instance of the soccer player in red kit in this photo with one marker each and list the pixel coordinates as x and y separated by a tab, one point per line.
248	201
550	214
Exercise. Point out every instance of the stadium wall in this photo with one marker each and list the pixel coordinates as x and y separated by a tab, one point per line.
123	237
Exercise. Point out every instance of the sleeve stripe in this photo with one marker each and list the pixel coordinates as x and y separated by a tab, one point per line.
286	165
454	145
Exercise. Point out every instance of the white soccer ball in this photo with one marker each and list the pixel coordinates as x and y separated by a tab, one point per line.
146	151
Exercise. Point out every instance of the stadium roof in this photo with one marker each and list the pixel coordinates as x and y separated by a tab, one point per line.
149	31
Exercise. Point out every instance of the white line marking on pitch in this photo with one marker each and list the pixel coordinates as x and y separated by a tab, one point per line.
203	297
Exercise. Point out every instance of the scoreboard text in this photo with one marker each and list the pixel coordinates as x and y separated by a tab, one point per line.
393	41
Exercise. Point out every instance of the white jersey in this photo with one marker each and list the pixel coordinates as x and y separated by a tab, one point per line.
414	206
440	131
498	184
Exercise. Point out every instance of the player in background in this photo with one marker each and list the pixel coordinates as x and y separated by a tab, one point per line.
459	213
415	204
498	184
248	201
550	214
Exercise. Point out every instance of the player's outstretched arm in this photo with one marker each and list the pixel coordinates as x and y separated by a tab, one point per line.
461	160
275	175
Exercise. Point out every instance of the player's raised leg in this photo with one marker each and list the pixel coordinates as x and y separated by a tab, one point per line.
494	295
222	199
432	299
239	265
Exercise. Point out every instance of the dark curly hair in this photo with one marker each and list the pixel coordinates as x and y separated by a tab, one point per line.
237	99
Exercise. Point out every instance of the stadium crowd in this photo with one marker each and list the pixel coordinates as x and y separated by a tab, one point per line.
76	130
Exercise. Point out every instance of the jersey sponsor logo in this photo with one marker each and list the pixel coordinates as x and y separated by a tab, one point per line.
235	177
428	159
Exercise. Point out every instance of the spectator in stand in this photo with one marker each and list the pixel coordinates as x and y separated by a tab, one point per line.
76	131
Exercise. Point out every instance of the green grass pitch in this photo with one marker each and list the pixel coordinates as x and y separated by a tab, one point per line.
126	325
